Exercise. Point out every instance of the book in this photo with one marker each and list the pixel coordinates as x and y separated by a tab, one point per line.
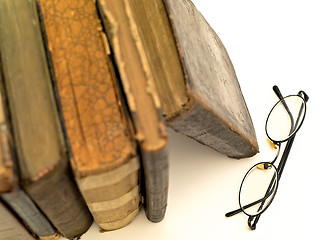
103	150
184	58
142	98
10	191
44	173
10	227
214	111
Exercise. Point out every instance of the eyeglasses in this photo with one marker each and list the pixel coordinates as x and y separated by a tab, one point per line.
260	184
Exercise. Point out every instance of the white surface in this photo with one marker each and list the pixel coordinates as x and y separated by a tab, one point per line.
269	42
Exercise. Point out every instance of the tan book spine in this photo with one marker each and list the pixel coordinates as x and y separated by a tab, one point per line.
142	98
103	151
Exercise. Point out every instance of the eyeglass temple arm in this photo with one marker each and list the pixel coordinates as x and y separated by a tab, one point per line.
284	157
234	212
304	95
252	222
279	95
277	92
290	141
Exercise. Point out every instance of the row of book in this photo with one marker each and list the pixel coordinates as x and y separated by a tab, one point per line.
87	89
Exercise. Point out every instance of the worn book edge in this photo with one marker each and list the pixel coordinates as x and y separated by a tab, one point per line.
117	195
155	206
194	101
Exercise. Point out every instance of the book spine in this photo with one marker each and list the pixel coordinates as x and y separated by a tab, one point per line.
57	195
44	171
142	99
101	145
10	192
156	180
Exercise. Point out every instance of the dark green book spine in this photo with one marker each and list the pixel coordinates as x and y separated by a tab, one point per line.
41	151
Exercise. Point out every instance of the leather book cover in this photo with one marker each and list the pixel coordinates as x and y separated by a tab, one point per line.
142	98
103	150
43	162
215	113
182	56
10	191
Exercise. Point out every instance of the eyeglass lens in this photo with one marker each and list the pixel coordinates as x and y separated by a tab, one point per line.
258	188
285	118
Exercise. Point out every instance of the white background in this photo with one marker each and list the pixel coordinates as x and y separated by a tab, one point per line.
269	42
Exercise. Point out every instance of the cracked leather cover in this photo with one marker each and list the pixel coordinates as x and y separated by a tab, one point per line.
99	135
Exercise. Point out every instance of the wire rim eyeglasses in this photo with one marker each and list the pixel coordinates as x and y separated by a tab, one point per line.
260	183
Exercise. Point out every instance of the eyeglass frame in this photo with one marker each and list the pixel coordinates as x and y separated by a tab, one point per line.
253	219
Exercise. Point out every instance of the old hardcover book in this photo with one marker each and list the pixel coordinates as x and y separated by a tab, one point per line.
10	191
213	110
181	54
44	170
104	156
120	21
10	227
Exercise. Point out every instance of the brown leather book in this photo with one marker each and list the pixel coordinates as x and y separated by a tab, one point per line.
142	98
10	226
10	191
183	57
44	170
103	150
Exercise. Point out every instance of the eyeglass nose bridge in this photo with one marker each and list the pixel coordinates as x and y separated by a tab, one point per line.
264	166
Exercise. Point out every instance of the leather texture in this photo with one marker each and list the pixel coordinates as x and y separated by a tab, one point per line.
41	151
219	117
99	135
142	98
